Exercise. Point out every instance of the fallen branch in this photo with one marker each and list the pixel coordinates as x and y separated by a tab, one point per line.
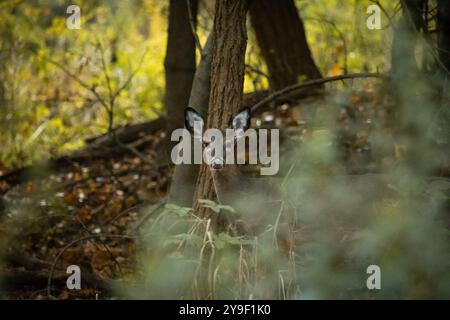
311	83
97	147
128	133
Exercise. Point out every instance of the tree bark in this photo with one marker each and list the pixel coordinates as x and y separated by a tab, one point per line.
282	40
227	81
444	32
179	63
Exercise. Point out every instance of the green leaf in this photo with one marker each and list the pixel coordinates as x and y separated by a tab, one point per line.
206	201
227	208
180	211
223	239
191	239
217	208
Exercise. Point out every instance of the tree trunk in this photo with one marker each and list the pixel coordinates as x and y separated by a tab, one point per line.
182	188
282	40
180	72
227	81
444	32
403	62
180	62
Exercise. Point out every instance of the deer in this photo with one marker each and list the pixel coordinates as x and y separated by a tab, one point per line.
256	199
259	201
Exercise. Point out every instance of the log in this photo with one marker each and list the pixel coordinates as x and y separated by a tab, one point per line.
102	146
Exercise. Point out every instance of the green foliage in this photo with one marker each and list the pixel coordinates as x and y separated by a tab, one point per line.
339	38
43	105
217	208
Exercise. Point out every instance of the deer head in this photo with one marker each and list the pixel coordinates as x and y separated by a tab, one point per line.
215	156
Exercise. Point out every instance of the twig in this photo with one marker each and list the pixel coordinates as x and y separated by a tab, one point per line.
312	83
108	84
256	70
192	24
103	244
139	154
109	107
391	21
94	236
79	81
131	76
340	35
105	71
112	96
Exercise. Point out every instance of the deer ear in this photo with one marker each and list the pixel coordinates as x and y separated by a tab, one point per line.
194	122
241	121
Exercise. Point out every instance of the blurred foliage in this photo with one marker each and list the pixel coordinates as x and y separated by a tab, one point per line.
331	226
42	105
339	39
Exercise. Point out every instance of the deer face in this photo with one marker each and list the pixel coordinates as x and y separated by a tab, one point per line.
212	138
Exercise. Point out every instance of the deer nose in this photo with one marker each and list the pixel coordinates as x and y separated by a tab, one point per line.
217	163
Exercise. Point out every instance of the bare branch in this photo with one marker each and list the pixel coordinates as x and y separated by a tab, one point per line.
78	80
312	83
192	23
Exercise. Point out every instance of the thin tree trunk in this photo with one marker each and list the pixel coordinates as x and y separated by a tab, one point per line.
281	37
227	80
180	61
403	62
182	188
180	71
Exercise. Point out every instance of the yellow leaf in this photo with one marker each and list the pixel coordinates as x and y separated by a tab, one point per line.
42	111
336	70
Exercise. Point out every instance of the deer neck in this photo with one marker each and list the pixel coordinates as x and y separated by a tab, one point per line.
227	183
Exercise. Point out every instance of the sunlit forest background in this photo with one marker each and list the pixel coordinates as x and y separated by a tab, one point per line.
64	202
48	107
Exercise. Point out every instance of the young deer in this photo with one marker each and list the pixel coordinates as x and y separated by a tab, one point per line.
250	197
324	201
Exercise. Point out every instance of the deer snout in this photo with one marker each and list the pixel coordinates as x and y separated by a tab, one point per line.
217	163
